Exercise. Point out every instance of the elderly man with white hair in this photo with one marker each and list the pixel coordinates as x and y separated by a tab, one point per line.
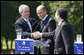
25	24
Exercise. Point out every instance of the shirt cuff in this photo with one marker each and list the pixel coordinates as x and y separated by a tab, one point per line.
40	34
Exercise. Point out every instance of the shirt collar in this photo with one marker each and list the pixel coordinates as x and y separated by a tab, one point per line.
60	22
25	19
45	17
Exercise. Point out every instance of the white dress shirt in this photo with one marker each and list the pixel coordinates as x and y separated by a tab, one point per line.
45	17
60	22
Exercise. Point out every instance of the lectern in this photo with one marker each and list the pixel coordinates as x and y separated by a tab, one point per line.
27	45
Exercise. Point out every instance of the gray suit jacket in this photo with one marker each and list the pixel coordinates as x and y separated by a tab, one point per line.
63	37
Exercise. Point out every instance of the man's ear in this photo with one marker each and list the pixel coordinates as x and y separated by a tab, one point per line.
45	11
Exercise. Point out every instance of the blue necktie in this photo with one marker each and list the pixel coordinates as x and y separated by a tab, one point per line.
42	24
28	22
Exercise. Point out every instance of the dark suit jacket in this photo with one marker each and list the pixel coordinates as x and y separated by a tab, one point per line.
48	25
22	24
63	37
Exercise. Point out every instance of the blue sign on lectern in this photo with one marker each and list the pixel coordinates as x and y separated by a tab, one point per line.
24	45
78	48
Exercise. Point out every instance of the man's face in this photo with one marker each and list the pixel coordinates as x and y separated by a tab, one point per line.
25	13
41	13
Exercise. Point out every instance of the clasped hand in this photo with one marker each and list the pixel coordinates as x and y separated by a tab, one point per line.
36	34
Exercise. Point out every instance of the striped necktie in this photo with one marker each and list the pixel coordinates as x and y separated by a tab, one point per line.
28	22
42	24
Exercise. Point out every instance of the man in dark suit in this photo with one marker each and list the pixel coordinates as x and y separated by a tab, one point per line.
62	35
47	24
25	24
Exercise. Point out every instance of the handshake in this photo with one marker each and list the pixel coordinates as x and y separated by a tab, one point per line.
36	34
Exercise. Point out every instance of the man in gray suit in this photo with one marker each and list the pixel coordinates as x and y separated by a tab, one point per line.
62	35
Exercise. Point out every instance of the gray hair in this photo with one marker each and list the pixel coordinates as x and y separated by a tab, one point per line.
21	7
42	7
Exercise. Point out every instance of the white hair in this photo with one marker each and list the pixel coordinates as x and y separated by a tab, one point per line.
21	7
41	7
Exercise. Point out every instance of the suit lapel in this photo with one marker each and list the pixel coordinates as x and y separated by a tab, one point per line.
30	19
25	24
58	30
45	22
